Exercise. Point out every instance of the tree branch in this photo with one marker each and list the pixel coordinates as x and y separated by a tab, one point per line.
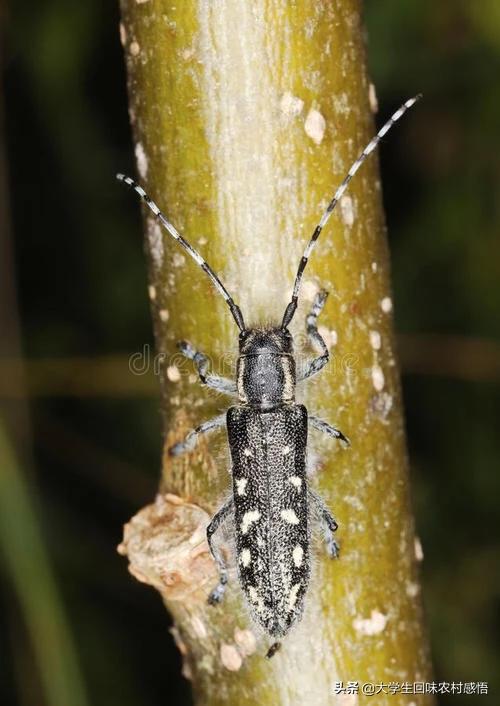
246	117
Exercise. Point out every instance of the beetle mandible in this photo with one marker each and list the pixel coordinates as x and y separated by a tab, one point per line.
271	505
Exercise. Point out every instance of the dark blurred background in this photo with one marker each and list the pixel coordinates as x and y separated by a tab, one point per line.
74	306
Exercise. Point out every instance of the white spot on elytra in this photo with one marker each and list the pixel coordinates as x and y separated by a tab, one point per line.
373	625
289	516
347	210
298	555
247	452
292	599
386	305
295	481
142	160
245	557
241	484
374	266
290	105
173	373
378	378
230	657
315	125
164	316
285	451
152	292
375	340
248	518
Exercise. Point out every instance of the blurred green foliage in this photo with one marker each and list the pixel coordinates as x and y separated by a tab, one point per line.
82	287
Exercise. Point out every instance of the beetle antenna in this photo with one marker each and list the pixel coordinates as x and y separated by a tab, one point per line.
292	306
234	308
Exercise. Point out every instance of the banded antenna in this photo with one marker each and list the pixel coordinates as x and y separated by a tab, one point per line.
234	308
292	306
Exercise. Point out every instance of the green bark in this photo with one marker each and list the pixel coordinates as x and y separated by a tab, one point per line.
246	116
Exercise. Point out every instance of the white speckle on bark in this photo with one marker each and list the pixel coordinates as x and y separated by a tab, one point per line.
375	340
342	104
354	502
329	336
412	589
188	53
290	105
347	700
373	625
178	260
123	34
386	305
230	657
164	315
179	642
199	628
378	378
173	373
245	641
381	404
134	48
152	292
372	97
155	240
315	126
142	160
309	290
419	552
347	210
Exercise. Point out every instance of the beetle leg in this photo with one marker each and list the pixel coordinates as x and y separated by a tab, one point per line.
221	516
315	365
326	428
216	382
190	441
328	523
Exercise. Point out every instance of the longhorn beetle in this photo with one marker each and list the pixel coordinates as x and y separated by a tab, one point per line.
271	506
